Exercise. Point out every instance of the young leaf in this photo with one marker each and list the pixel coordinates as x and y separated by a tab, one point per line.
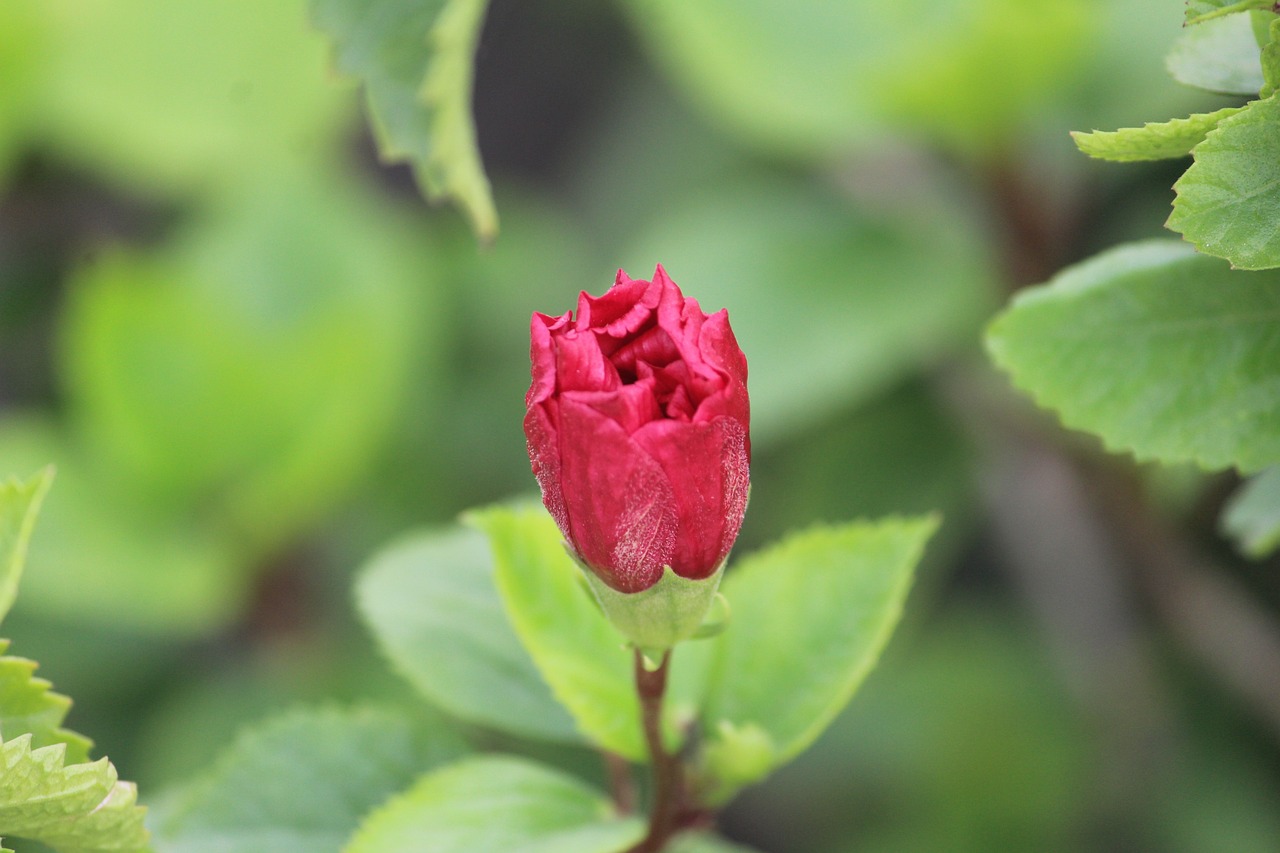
1162	352
810	617
582	657
302	782
1152	141
1220	55
415	61
496	803
431	602
29	707
78	808
1229	200
19	504
1252	517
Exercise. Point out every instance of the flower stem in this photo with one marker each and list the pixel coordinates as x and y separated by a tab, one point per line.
669	791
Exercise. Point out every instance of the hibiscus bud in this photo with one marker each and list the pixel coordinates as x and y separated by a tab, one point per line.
637	421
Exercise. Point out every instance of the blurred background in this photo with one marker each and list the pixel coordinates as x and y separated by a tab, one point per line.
256	355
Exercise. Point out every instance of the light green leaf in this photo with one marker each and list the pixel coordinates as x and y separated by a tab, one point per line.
431	602
302	782
584	659
78	808
701	842
1160	351
1229	200
19	504
1220	55
496	804
810	617
101	559
811	79
1270	61
415	60
250	368
29	707
1152	141
1200	11
887	288
206	91
1252	517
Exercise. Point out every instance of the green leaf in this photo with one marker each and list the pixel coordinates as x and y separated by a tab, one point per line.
415	61
496	803
302	782
810	617
29	707
1152	141
431	602
1270	60
584	659
250	369
1229	200
701	842
1252	516
1199	11
101	559
1162	352
80	808
19	504
1221	56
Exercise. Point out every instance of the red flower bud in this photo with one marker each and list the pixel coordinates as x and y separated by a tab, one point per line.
637	421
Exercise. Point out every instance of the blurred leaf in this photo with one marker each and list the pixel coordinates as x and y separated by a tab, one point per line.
431	602
188	95
1252	517
23	52
586	662
19	505
302	782
101	559
251	368
1161	352
831	304
700	842
496	803
80	808
1152	141
29	707
810	617
1220	55
810	79
1229	199
415	61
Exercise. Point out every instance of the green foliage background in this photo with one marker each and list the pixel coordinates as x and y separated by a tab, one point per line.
256	356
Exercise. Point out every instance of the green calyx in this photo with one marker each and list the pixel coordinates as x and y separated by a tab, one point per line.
655	619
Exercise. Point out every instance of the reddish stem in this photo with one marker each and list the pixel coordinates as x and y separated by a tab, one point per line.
669	789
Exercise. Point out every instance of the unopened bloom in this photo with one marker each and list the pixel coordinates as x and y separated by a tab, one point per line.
637	422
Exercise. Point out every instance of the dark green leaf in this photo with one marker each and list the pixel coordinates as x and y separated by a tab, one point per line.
1162	352
301	783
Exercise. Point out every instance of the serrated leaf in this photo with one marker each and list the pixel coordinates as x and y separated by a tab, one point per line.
78	808
810	617
496	803
415	61
1219	55
432	604
29	707
1162	352
584	659
19	504
1252	516
1152	141
302	782
1229	200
